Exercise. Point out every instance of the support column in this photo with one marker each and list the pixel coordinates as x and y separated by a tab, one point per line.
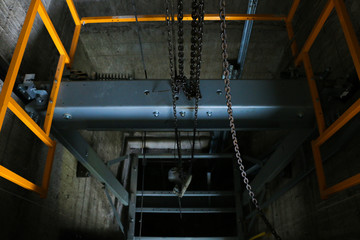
85	154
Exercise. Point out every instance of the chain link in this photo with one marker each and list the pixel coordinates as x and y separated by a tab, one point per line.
174	88
226	74
191	87
196	49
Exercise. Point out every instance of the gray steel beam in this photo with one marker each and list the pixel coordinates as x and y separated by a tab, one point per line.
333	147
113	105
185	210
187	194
278	160
116	213
133	189
83	152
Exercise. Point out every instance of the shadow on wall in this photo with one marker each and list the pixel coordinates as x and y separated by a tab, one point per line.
70	234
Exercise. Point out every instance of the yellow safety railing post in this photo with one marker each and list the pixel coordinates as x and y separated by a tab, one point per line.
77	30
6	101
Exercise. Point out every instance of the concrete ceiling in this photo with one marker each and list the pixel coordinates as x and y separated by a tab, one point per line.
114	48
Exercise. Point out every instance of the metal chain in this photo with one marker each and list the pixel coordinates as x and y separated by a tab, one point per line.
180	16
174	89
200	36
231	119
194	40
191	89
180	78
196	49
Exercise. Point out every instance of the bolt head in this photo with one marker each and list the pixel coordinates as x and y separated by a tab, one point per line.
209	114
182	113
156	113
67	116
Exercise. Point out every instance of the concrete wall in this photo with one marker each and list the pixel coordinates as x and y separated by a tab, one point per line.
76	208
301	213
40	53
114	48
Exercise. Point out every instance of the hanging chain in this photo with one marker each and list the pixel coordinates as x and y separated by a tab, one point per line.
180	78
231	119
179	82
195	63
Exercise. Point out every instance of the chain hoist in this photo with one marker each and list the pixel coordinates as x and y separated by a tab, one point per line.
172	62
190	86
231	119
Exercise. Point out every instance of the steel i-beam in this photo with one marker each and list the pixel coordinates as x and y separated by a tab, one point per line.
147	105
85	154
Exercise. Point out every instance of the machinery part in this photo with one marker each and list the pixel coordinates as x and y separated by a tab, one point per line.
231	119
180	191
181	180
77	75
112	76
174	175
275	105
29	91
37	99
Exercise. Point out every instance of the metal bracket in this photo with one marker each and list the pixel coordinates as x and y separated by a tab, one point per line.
117	160
117	215
84	153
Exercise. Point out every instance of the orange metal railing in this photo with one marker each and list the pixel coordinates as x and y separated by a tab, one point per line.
326	132
7	102
36	6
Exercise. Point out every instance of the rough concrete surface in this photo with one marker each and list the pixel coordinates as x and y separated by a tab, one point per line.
76	208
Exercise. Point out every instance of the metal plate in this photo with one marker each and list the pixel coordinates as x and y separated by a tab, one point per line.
112	105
